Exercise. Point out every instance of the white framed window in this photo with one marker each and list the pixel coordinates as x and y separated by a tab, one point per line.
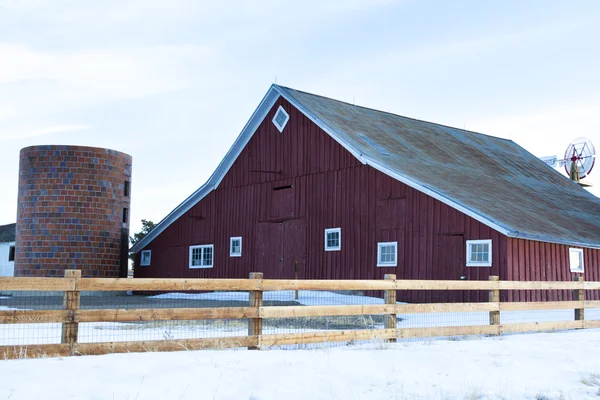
479	253
145	258
333	239
576	260
235	246
202	256
11	253
387	254
281	119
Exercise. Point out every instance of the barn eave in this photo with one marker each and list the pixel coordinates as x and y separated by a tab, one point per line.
252	125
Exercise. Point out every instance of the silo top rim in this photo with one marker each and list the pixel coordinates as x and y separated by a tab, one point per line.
76	148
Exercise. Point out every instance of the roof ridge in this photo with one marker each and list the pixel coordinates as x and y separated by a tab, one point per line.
395	115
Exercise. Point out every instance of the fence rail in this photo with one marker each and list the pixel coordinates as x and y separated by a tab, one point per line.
72	315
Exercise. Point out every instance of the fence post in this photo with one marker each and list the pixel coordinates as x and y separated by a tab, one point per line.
494	297
296	274
390	298
256	300
71	302
579	295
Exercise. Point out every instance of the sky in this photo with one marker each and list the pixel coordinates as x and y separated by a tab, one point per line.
173	83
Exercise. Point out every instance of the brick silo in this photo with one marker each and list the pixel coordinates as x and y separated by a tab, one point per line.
73	211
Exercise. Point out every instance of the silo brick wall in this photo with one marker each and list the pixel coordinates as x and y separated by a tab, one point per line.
70	211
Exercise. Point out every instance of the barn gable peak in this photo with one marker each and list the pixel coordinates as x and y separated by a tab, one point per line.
493	180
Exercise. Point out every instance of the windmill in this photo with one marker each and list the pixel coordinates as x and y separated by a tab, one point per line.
578	161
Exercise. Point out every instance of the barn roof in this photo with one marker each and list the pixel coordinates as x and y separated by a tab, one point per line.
493	180
7	233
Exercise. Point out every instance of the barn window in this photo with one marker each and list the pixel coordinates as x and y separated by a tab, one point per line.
235	246
333	239
281	119
576	260
145	259
387	254
479	253
201	256
11	254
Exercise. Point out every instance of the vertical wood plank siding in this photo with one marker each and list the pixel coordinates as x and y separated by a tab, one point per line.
320	185
533	261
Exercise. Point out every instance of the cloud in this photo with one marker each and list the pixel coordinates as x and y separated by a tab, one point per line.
124	70
546	132
37	82
49	130
114	11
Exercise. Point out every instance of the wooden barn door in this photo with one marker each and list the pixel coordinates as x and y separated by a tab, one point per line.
451	265
278	246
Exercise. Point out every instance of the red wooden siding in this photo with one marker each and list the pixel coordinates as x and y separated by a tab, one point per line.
539	261
286	188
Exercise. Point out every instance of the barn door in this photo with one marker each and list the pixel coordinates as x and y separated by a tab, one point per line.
452	266
294	248
278	246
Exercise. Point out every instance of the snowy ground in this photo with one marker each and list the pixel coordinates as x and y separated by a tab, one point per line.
22	334
562	365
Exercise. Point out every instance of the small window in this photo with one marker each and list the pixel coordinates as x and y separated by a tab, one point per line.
281	119
11	254
201	256
387	254
576	260
235	246
479	253
125	215
126	189
333	239
145	258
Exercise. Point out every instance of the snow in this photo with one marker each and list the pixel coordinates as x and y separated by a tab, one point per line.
22	334
562	365
305	297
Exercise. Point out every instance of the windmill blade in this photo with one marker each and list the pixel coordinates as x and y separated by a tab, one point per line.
581	152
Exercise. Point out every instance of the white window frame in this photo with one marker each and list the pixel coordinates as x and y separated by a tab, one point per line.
580	253
387	264
11	245
287	118
487	263
231	252
339	232
202	246
147	263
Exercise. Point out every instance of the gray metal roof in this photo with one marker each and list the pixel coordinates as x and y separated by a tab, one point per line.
7	233
493	180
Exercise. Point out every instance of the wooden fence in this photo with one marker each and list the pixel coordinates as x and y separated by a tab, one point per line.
72	285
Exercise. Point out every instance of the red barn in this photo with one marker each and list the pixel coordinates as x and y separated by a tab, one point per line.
349	192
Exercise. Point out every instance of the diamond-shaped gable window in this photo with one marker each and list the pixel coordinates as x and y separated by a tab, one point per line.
281	118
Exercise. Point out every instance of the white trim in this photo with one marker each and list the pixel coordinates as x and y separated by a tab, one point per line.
579	252
231	253
281	110
266	104
387	264
422	188
487	263
240	143
145	263
339	232
12	245
203	247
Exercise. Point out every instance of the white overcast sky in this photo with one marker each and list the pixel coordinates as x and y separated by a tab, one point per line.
172	83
